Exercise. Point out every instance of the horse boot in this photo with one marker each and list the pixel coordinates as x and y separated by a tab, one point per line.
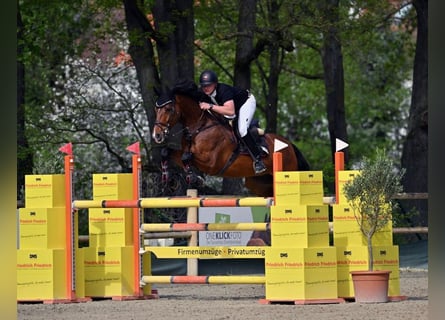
255	153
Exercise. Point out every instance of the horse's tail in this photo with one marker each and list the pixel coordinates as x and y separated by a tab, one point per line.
302	163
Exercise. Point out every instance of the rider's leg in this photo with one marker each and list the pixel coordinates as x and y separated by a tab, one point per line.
255	153
244	118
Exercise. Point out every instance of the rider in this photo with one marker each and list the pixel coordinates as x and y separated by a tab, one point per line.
232	102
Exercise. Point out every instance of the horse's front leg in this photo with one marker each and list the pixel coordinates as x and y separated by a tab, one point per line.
192	178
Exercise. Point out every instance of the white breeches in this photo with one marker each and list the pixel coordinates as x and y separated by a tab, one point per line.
245	116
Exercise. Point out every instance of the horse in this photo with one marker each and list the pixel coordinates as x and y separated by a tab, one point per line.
210	144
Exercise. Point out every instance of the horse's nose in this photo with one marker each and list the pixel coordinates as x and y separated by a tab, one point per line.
157	137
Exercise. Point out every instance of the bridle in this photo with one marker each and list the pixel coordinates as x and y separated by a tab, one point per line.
165	126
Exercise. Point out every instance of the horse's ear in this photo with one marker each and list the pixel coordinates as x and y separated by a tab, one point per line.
166	91
157	91
187	87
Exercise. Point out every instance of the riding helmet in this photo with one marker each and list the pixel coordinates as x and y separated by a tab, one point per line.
208	77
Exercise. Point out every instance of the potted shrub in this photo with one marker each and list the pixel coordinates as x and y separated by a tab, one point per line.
371	196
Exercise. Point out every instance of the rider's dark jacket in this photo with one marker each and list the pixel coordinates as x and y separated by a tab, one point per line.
224	93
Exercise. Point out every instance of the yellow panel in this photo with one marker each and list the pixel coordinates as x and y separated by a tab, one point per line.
285	259
342	212
343	177
42	228
284	287
298	187
41	274
113	186
321	283
289	261
299	213
301	273
385	256
108	271
45	191
80	273
110	227
146	270
300	235
347	233
352	257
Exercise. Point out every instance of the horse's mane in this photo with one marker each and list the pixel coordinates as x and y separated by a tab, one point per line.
184	87
188	88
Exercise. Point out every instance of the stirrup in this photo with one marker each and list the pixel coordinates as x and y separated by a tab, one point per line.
258	166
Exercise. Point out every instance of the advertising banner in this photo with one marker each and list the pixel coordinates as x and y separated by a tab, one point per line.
229	215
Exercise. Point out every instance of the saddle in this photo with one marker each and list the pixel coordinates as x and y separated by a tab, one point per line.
258	135
254	130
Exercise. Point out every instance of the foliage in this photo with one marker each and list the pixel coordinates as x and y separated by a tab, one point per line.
371	193
377	60
97	106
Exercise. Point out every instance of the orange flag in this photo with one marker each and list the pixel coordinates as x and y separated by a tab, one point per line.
134	148
67	148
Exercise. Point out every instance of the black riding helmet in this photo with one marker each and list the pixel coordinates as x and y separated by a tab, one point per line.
208	77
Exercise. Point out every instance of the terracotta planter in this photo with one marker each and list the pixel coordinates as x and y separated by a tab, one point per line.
371	286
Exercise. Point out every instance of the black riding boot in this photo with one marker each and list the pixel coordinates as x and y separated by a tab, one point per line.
255	152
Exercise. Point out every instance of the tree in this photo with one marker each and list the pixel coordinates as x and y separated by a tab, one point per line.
24	155
46	34
332	59
142	55
174	36
242	66
371	196
282	50
415	147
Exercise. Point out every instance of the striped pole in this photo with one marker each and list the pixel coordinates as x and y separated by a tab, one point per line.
205	279
159	227
339	166
176	202
138	241
70	230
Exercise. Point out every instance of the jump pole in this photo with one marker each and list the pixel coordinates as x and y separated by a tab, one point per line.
69	229
194	279
175	202
136	161
339	159
241	226
277	163
137	219
205	279
192	217
339	165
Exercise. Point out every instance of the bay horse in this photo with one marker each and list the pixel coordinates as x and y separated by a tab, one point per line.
210	144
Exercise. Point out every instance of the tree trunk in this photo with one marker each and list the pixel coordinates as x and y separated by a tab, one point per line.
244	48
185	37
333	78
174	42
274	70
24	157
244	43
142	55
415	148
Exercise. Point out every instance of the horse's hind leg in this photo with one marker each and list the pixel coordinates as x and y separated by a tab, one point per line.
261	186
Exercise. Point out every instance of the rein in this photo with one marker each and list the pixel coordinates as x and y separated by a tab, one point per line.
200	126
